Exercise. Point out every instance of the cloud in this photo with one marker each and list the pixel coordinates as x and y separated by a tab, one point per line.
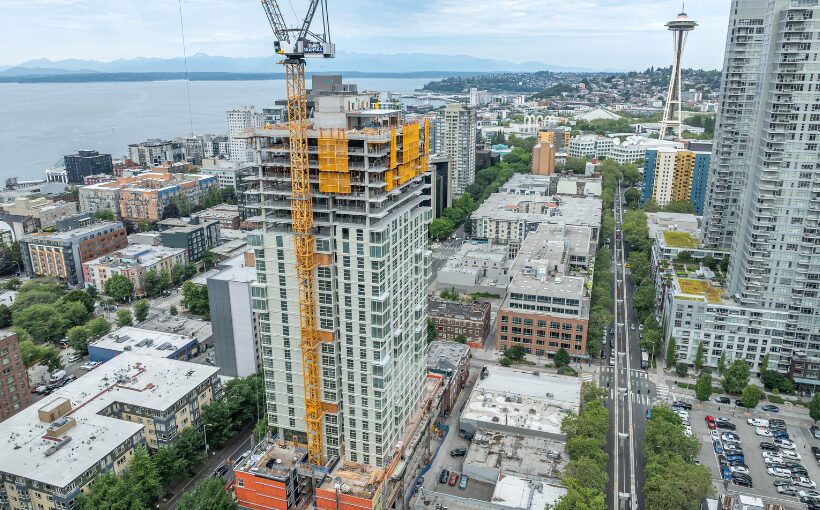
592	33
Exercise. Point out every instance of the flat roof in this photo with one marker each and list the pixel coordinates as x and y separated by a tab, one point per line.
443	355
564	209
514	492
523	400
134	379
185	326
271	458
235	270
68	235
456	310
514	454
137	255
143	341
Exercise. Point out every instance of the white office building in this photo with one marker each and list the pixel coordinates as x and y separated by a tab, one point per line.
459	145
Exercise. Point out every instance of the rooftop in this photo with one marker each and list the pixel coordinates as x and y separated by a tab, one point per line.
565	209
138	380
526	456
456	310
137	255
679	239
523	400
77	233
143	341
443	356
701	288
235	270
515	492
185	326
272	458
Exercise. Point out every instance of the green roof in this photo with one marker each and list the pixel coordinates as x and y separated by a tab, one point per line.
679	239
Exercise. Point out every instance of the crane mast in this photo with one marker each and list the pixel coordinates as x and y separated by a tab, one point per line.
304	44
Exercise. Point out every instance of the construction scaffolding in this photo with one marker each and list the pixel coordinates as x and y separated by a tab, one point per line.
334	174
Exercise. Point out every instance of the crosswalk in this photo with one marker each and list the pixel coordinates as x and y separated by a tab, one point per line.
636	398
663	391
636	374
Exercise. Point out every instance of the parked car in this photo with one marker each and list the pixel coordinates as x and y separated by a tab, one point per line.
739	403
758	422
815	450
770	408
723	423
776	422
57	376
730	437
769	447
802	481
458	452
649	414
725	473
723	400
714	434
786	490
791	455
220	471
42	389
779	472
763	431
785	443
806	496
462	482
799	472
91	365
740	469
742	480
718	447
779	434
68	379
736	457
815	432
453	479
444	476
682	404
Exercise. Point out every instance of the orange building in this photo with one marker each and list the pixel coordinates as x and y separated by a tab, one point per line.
543	157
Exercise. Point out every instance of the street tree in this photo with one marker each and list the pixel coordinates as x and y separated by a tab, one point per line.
152	283
5	316
209	494
671	355
44	322
681	369
703	386
78	338
432	333
721	366
119	287
814	407
699	357
460	338
173	311
736	377
195	298
515	352
561	358
751	396
80	296
50	358
675	484
141	309
98	327
74	312
124	318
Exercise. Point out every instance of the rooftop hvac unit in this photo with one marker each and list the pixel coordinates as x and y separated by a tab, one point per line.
56	447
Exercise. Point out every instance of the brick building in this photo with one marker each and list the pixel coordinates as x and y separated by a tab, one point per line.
14	388
453	318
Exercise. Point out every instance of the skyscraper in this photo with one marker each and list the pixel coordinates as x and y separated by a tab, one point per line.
459	144
672	120
762	199
239	120
372	269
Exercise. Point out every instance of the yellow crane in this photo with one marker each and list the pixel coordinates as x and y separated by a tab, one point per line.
297	44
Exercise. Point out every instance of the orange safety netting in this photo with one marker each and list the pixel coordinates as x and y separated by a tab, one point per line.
334	174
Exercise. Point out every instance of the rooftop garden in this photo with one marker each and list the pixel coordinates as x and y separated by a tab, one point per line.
679	239
700	288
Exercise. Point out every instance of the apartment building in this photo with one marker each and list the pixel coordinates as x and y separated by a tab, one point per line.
547	303
675	175
146	195
132	262
240	120
762	200
56	447
237	350
452	319
228	173
459	145
47	211
194	235
543	158
372	271
85	163
61	255
155	152
507	218
226	215
14	387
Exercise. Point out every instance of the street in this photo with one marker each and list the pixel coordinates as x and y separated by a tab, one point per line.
629	388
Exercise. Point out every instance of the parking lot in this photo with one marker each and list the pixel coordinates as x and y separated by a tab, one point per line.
762	481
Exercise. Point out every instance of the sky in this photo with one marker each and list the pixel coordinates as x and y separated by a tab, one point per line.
598	34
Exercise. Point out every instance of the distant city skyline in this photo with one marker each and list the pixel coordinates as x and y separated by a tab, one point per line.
596	34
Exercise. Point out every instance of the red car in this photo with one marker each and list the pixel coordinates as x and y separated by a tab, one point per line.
710	422
453	479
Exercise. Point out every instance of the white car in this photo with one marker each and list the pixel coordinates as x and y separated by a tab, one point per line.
715	435
688	431
730	438
91	365
763	431
774	457
785	443
791	455
739	469
779	472
802	481
758	422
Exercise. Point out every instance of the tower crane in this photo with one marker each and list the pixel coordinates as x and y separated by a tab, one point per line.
295	45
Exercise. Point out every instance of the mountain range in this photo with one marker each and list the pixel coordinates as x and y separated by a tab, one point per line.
359	62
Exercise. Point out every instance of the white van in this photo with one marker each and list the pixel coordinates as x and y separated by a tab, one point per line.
57	376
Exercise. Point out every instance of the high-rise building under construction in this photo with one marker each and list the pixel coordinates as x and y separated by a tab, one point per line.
371	269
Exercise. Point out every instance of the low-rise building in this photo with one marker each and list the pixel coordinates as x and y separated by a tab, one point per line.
227	215
507	218
85	163
45	210
132	262
547	303
56	447
229	174
453	319
450	360
476	267
143	341
14	389
493	453
235	323
194	234
804	371
61	255
518	402
550	185
145	196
